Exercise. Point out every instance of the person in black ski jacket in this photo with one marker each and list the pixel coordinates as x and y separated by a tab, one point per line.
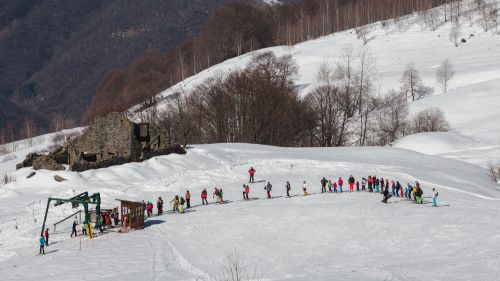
323	185
288	188
386	194
73	231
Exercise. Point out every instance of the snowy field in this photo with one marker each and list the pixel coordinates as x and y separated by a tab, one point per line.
349	236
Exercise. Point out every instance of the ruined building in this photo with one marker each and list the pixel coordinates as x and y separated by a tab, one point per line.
109	141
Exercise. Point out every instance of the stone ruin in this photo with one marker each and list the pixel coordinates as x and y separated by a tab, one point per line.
113	140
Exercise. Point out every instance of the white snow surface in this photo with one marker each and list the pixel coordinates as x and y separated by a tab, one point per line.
348	236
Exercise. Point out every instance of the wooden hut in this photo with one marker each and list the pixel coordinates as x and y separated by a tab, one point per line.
132	214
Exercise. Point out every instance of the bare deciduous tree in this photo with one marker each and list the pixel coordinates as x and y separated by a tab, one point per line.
236	269
444	74
430	120
411	84
392	118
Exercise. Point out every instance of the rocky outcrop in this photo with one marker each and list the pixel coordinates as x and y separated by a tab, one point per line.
47	162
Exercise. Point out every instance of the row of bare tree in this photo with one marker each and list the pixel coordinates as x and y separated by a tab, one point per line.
238	27
261	105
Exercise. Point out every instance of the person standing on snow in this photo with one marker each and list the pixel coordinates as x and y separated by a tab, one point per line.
419	194
175	206
335	187
216	194
244	192
247	191
323	185
188	199
288	188
377	184
251	172
357	185
304	189
204	195
46	233
221	196
393	187
181	203
159	205
387	183
351	182
382	185
371	181
329	186
340	182
399	190
42	245
434	197
268	187
363	184
73	230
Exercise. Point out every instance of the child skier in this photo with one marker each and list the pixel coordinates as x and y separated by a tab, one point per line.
386	194
221	196
46	233
204	197
371	181
268	189
244	192
357	185
42	245
182	201
363	184
247	191
335	187
216	194
434	197
175	206
304	188
340	182
330	186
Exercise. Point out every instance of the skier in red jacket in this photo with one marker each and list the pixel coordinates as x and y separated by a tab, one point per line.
340	182
251	172
46	233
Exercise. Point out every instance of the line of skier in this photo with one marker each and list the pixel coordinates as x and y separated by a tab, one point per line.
388	188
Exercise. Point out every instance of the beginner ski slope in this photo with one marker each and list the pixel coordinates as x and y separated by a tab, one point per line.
349	236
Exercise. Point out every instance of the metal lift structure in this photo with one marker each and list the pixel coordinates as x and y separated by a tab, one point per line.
81	199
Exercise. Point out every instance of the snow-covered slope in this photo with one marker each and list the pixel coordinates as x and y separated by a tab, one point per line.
349	236
471	103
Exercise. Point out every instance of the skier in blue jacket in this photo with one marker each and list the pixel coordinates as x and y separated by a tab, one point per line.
42	245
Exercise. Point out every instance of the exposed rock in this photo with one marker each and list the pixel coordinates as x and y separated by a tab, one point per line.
59	178
32	174
46	162
28	161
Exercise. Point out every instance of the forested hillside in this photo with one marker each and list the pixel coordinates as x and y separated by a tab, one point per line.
53	54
